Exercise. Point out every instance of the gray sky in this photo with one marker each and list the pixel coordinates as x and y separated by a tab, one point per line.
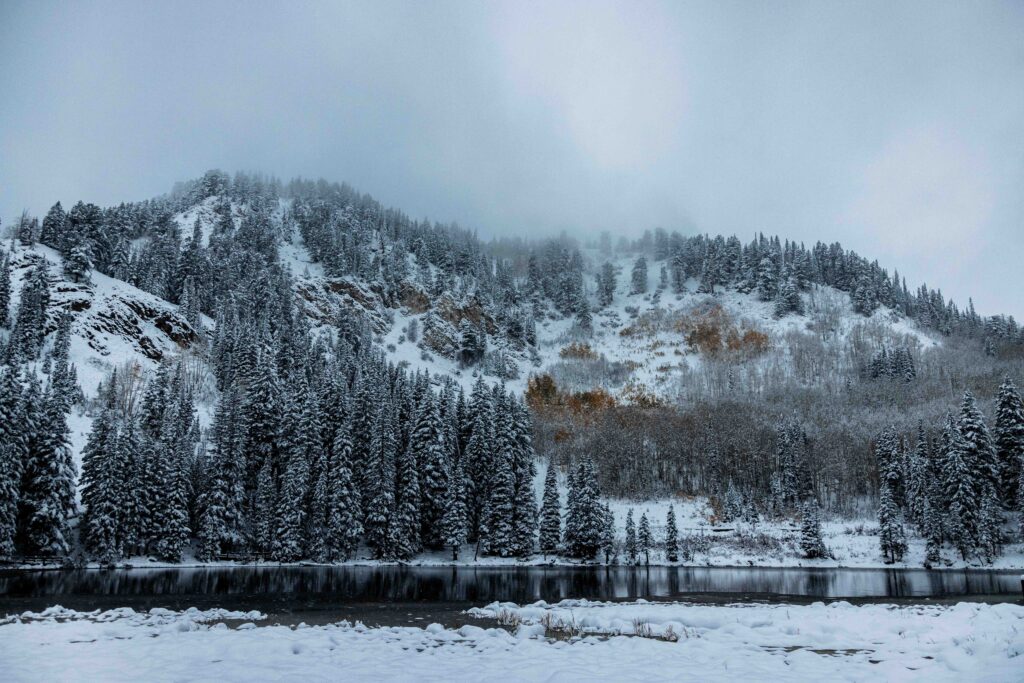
895	128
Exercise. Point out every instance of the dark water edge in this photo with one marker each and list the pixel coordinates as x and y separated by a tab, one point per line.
407	594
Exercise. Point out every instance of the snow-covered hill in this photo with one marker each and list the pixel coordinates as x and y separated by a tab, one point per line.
642	345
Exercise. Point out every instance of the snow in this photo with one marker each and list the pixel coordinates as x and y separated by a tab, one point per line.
681	642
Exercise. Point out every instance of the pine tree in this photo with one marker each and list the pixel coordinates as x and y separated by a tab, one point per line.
644	538
606	284
788	300
932	533
524	503
5	290
958	491
48	483
608	533
343	520
263	509
29	327
980	458
638	278
1009	441
10	473
631	542
406	523
104	485
671	536
169	492
54	227
455	520
550	514
584	319
918	480
890	459
427	444
501	490
479	457
767	279
14	440
811	542
379	495
733	506
892	537
78	263
584	523
304	448
222	521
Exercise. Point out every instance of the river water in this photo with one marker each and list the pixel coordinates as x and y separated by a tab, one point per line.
355	591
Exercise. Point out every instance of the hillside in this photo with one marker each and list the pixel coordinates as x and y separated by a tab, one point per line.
264	334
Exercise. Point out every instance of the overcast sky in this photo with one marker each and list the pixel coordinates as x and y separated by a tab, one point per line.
895	128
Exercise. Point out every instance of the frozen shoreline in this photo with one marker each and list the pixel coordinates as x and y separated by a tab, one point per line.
570	640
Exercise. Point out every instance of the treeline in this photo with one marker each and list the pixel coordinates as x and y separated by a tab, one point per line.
954	487
37	472
775	270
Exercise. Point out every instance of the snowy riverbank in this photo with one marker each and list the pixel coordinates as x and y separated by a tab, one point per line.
572	640
852	543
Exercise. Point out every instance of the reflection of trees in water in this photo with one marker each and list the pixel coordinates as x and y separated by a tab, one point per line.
482	584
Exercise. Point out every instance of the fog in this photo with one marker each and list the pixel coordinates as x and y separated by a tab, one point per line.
893	128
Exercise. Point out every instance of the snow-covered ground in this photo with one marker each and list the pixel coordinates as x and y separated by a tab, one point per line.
569	641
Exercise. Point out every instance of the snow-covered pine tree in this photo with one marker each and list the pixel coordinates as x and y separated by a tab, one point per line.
638	277
961	519
261	516
932	531
455	520
78	263
584	523
380	482
427	443
10	471
63	375
788	299
5	290
222	523
732	506
644	539
584	320
891	534
671	536
606	284
917	478
889	457
27	334
344	527
550	513
608	533
499	502
479	456
290	512
631	547
524	502
767	279
170	495
262	411
48	483
1009	441
406	523
54	226
980	457
811	542
105	489
14	438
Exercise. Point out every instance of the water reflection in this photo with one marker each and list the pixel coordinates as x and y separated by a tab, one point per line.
481	585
